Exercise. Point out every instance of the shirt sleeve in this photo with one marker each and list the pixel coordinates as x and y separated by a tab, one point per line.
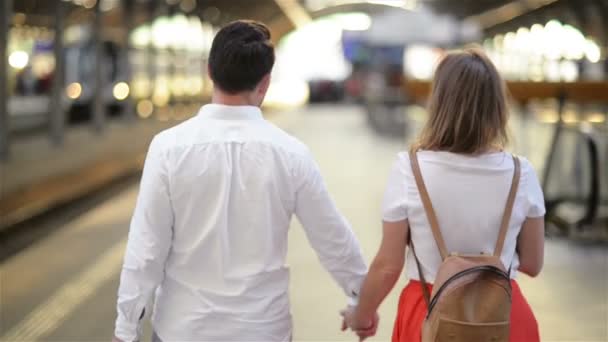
328	232
394	203
535	201
150	237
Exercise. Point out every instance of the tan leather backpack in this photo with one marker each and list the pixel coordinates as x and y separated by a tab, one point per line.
471	299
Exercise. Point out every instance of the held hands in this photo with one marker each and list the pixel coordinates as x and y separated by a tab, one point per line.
364	328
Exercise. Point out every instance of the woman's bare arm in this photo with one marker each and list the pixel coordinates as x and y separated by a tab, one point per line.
384	271
531	246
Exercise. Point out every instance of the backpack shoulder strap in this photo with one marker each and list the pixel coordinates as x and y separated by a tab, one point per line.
504	226
428	206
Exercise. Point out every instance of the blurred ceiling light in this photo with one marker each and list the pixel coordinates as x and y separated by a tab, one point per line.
592	51
547	116
196	34
178	31
355	21
120	91
570	116
141	36
74	90
89	3
536	73
596	117
498	41
509	42
18	59
552	71
161	34
523	39
294	11
420	61
553	35
323	35
568	71
187	5
536	37
573	43
145	108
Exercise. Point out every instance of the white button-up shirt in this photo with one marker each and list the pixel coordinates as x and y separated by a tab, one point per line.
209	231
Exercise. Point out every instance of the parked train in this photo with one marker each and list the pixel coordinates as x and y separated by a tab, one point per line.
32	72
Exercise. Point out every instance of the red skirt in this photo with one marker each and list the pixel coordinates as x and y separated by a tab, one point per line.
412	310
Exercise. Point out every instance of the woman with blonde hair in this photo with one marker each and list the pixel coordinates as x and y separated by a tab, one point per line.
468	177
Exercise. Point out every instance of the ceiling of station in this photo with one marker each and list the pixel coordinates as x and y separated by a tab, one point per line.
494	16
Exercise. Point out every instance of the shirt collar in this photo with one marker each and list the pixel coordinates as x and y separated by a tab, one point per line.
225	112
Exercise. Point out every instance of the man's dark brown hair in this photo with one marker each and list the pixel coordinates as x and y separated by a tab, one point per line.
468	105
241	55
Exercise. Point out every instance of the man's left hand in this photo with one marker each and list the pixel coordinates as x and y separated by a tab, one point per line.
364	328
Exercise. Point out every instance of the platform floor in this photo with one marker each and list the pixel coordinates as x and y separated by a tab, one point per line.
63	287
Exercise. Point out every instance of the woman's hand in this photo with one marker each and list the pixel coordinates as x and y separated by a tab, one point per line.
363	327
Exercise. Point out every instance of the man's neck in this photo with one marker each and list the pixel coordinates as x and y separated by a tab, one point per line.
241	99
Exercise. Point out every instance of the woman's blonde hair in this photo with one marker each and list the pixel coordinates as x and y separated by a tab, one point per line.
467	107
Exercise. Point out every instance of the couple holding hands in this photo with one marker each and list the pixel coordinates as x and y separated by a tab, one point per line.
208	237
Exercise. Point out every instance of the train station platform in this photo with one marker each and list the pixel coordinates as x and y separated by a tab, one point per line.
63	287
39	176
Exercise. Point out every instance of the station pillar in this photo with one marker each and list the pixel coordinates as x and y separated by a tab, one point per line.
125	59
99	113
58	109
6	15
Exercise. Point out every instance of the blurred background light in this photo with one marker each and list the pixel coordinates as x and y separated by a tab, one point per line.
73	90
553	35
573	43
293	93
161	32
120	91
88	4
145	108
420	61
141	36
592	51
355	21
18	59
568	71
178	35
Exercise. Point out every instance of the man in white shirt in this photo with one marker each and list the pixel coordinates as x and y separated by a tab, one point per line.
209	231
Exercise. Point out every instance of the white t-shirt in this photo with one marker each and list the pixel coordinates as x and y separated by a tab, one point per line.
469	195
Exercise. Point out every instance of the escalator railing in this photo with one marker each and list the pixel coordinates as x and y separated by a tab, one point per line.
573	180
